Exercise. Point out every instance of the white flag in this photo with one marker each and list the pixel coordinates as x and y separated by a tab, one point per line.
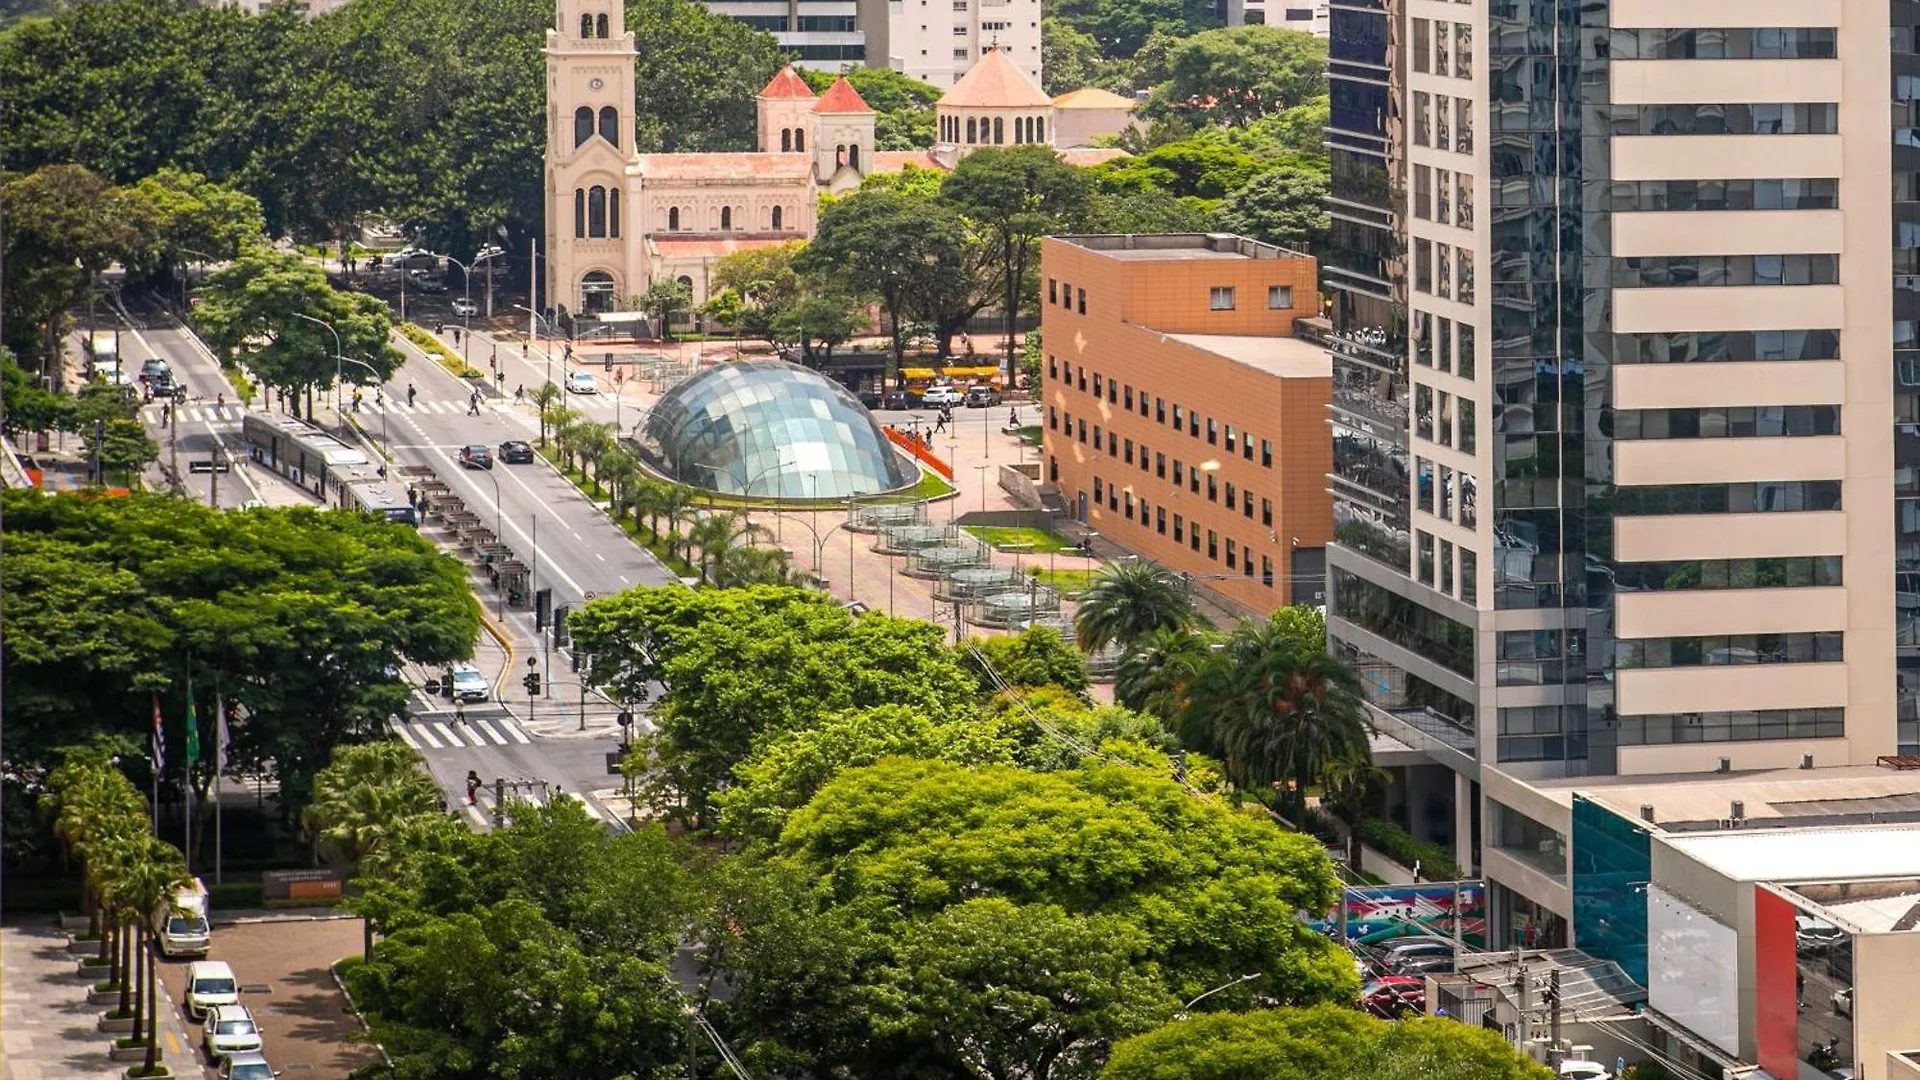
220	735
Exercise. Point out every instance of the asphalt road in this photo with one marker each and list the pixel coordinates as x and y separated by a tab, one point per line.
204	427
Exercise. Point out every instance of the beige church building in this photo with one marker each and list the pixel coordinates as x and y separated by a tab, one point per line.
618	220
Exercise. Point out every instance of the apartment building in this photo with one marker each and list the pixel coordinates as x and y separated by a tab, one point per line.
938	41
828	35
1184	420
1625	388
1308	15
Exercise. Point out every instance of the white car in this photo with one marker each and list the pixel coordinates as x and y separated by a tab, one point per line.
1584	1070
465	308
581	382
210	984
230	1030
943	395
469	684
1842	1001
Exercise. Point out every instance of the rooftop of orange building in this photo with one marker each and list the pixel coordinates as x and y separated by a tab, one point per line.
1281	357
1161	247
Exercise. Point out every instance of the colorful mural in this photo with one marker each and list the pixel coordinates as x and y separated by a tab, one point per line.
1377	913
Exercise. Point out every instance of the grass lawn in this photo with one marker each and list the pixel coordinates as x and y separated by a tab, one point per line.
1068	583
1030	435
1038	541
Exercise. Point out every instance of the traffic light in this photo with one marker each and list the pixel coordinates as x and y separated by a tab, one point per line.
532	683
560	625
542	607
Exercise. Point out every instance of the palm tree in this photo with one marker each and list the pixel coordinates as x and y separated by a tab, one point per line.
1129	600
1154	672
1345	784
715	535
1274	711
364	796
620	469
545	399
738	567
149	871
675	504
592	442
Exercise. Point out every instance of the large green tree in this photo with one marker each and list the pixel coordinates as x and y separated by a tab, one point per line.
1129	600
296	618
252	313
739	664
1323	1043
909	252
1236	75
902	104
1284	206
1014	196
65	224
997	922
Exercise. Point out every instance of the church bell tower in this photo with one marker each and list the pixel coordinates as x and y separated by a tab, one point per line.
590	102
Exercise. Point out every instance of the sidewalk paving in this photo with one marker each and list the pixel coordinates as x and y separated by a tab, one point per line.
47	1029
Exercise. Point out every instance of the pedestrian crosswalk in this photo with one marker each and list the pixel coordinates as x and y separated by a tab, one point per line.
482	808
232	414
442	731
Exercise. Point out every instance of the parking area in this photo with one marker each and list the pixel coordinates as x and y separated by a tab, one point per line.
283	969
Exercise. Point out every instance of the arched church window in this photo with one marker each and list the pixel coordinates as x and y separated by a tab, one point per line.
579	213
786	140
586	26
600	25
610	125
853	156
726	217
613	212
776	219
596	212
582	125
999	132
800	140
969	129
673	219
1040	129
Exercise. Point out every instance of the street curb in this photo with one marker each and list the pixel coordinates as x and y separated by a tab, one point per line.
288	917
333	969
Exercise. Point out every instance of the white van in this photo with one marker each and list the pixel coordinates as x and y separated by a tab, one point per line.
180	922
210	983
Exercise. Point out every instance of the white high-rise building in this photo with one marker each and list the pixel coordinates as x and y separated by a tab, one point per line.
938	41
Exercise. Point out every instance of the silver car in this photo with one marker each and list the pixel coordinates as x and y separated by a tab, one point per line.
251	1065
229	1030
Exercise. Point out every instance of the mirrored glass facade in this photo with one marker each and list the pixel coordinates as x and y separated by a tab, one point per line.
774	430
1612	864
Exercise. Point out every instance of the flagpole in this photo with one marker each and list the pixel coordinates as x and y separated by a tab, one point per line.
186	795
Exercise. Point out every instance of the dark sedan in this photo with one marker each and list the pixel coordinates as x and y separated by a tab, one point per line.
476	457
515	452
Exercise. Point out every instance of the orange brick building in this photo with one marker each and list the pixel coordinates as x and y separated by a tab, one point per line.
1184	421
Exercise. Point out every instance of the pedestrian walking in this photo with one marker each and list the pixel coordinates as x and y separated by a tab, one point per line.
356	399
166	413
940	423
523	350
473	404
520	392
456	337
473	786
410	392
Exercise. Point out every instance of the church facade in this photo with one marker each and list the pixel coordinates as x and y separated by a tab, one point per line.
618	220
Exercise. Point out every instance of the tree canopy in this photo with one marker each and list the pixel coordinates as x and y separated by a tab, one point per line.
1321	1043
298	618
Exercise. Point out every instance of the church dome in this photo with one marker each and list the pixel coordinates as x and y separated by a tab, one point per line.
766	428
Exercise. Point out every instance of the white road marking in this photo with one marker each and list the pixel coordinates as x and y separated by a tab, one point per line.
599	556
401	730
514	731
444	730
479	816
487	729
428	736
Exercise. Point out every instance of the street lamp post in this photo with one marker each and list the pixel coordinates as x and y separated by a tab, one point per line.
385	441
532	314
466	274
497	534
338	348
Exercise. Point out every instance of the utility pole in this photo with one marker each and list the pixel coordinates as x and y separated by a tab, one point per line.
499	801
586	664
1553	1018
173	441
1524	992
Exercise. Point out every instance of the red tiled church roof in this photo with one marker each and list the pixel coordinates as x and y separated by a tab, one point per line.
787	84
841	97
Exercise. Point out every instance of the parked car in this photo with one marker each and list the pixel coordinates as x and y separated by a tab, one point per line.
155	367
1813	936
476	456
1584	1070
982	397
897	400
1426	965
248	1066
413	258
113	376
425	282
515	452
465	308
210	983
468	683
581	382
1409	948
936	396
230	1030
1842	1001
1394	996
